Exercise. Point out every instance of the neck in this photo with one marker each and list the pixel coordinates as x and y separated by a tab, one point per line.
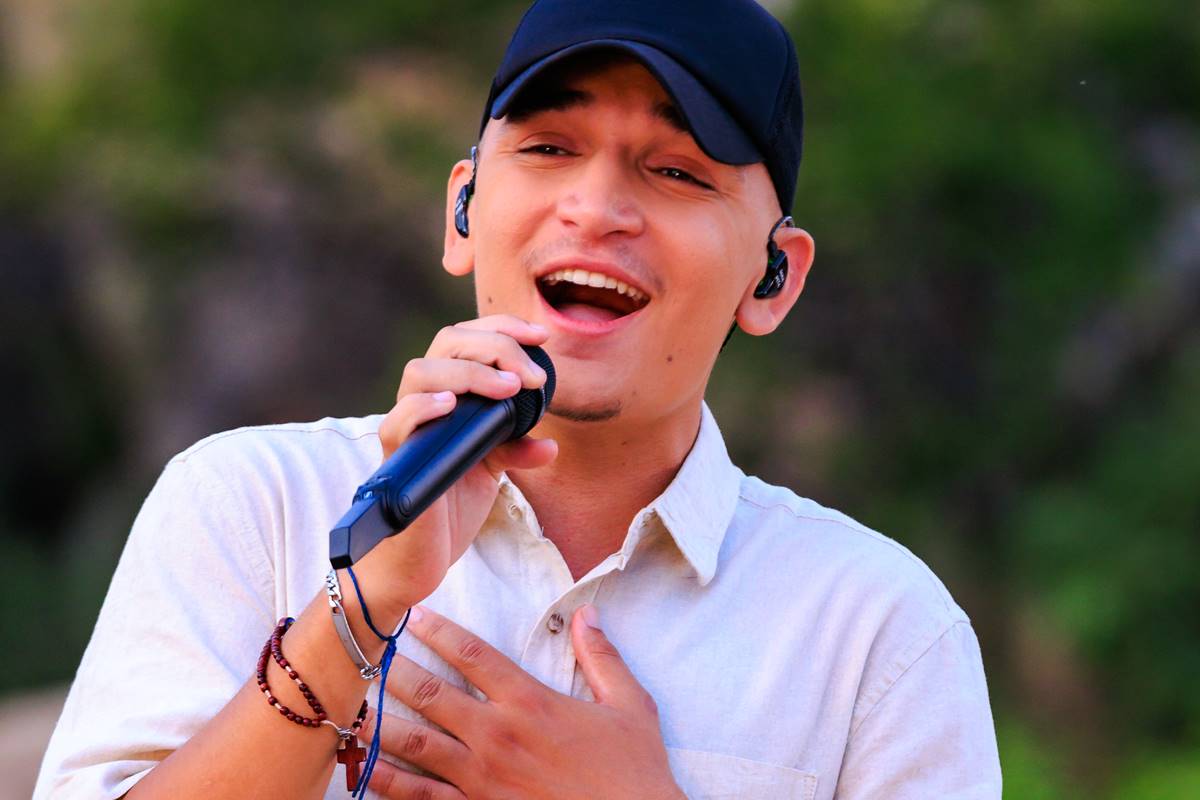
605	473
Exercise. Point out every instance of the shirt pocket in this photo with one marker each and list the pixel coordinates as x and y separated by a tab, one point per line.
716	776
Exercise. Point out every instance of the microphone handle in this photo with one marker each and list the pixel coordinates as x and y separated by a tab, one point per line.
425	465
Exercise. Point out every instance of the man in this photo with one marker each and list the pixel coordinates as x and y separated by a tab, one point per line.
607	609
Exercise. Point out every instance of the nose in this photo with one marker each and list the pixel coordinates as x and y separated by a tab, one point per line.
601	200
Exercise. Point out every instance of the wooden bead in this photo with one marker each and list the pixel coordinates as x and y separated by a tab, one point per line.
274	648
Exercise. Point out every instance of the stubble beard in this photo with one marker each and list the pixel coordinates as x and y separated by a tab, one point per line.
596	413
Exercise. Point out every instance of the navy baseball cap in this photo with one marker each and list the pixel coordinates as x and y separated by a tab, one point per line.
729	66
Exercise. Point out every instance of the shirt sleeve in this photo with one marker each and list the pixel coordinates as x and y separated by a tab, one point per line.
189	606
931	733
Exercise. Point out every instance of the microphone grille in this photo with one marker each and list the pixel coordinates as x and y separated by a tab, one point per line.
532	403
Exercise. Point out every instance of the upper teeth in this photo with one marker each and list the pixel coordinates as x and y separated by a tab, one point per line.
584	278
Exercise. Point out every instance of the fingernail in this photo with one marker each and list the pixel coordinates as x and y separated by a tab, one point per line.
536	328
590	615
510	377
444	397
416	614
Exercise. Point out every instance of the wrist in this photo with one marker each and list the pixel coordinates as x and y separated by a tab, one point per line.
388	599
379	618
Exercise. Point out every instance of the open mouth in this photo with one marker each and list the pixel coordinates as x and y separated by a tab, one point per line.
590	296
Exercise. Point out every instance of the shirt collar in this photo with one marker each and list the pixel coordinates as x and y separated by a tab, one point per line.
698	505
695	508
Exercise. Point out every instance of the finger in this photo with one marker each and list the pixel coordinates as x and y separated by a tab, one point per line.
524	453
395	783
523	331
410	411
487	347
422	745
606	672
459	376
430	696
496	675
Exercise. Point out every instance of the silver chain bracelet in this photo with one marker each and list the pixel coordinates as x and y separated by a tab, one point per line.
333	588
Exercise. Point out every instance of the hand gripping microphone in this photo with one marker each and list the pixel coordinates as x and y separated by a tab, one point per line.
430	460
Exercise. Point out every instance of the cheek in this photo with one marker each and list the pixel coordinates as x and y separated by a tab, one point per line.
710	264
505	239
707	279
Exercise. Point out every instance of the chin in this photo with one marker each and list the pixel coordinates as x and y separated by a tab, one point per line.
583	396
588	391
587	400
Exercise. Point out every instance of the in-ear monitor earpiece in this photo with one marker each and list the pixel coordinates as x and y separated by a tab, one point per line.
777	264
464	198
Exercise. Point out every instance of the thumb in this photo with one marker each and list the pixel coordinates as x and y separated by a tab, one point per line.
606	672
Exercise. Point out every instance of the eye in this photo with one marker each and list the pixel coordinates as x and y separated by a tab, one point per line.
545	150
680	175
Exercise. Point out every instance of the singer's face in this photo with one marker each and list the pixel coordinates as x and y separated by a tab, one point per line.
597	215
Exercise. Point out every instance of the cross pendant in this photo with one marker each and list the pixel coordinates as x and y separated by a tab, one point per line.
352	756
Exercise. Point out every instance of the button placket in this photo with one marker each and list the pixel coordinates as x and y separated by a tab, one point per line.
546	581
549	655
571	672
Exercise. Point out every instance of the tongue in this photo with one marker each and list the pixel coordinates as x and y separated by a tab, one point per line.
587	313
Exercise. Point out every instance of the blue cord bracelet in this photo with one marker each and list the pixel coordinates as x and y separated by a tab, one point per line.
385	664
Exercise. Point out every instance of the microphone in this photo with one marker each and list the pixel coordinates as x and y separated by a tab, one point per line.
430	460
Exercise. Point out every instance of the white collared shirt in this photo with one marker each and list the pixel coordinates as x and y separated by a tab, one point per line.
793	653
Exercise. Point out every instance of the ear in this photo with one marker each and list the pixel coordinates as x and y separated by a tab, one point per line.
760	317
458	253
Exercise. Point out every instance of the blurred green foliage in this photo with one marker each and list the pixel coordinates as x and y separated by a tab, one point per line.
996	360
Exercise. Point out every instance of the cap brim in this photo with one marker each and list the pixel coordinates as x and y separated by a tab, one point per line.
717	133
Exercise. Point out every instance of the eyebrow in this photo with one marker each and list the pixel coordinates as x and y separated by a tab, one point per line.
539	99
669	114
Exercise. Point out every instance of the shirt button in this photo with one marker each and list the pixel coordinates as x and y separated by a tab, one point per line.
555	623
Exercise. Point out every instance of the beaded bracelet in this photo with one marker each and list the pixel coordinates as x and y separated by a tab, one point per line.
349	752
